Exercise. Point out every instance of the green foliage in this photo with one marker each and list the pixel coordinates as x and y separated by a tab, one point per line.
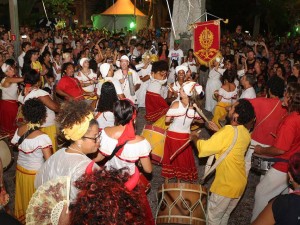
58	8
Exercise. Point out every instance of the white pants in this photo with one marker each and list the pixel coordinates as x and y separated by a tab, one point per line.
219	209
249	155
273	184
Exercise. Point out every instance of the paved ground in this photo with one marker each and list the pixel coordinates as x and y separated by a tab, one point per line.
241	215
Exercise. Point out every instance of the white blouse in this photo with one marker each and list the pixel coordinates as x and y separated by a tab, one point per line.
83	78
30	150
130	154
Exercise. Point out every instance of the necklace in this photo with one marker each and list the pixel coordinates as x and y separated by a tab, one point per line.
76	150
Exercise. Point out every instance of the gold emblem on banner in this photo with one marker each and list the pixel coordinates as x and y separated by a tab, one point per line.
206	39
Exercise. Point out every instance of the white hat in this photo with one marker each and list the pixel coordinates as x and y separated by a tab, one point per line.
189	86
104	68
124	57
5	67
82	61
178	68
241	73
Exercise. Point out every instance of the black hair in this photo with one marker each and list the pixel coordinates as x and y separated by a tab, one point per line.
24	44
228	75
160	65
31	77
108	97
293	92
34	111
276	86
65	66
27	60
123	112
245	111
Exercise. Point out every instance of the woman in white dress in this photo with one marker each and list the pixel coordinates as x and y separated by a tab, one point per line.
79	126
8	102
87	77
32	90
123	148
213	84
104	109
34	148
226	96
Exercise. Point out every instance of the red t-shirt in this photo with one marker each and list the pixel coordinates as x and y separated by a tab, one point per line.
262	107
288	139
71	86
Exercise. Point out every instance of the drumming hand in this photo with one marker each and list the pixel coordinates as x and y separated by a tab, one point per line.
64	217
258	149
194	136
4	197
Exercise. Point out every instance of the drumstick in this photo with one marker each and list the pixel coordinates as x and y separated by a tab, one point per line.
2	137
179	150
199	111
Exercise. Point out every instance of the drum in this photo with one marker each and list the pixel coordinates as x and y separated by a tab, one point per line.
156	137
181	203
261	163
6	155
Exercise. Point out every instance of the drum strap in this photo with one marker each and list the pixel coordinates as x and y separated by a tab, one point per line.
26	134
267	116
209	168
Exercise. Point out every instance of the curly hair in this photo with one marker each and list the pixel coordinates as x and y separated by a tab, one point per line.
245	111
73	112
103	199
108	97
65	66
293	91
34	111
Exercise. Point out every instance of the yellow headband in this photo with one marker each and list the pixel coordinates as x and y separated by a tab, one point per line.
78	130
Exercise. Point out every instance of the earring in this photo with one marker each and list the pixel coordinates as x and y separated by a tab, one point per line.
79	146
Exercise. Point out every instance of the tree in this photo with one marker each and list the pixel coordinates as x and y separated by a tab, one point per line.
58	8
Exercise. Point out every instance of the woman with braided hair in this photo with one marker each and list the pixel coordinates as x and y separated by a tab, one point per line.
180	117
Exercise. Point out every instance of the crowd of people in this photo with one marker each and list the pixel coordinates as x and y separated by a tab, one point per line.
83	90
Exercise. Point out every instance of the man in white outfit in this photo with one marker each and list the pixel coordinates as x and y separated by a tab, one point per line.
122	76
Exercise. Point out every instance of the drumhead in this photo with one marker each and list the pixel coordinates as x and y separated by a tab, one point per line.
5	155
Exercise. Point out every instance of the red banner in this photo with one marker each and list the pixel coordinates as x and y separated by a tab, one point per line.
207	41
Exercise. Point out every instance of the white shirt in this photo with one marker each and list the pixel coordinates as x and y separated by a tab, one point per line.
62	163
248	93
105	119
86	78
115	82
125	86
175	55
36	93
11	92
21	61
182	119
130	154
31	156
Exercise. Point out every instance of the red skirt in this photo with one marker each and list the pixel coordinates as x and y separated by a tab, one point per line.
156	106
183	165
8	114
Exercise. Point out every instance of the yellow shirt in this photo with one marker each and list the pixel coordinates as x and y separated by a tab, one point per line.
230	180
37	66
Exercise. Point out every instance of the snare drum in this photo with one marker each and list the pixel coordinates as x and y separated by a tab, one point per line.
181	203
6	155
261	163
156	137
